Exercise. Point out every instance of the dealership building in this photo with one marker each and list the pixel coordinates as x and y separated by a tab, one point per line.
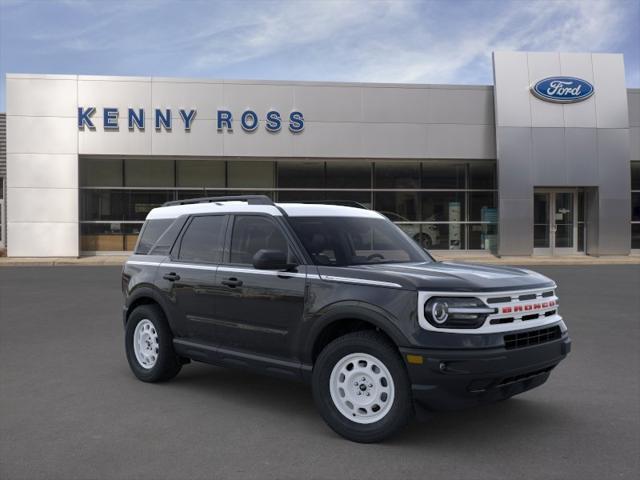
546	161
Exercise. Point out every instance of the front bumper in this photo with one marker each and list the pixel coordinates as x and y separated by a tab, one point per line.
453	379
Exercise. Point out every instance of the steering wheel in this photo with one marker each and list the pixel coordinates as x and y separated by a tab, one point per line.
375	255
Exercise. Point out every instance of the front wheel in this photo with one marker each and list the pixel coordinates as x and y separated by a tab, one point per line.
361	387
149	345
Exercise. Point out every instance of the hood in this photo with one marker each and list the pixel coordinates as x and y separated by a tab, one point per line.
448	276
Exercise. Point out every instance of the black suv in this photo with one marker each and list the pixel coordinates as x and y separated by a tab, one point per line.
338	297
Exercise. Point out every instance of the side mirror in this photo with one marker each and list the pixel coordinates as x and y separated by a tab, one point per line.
270	260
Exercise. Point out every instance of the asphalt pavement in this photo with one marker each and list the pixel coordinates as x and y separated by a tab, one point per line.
71	409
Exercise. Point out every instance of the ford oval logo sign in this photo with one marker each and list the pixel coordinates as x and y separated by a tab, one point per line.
562	89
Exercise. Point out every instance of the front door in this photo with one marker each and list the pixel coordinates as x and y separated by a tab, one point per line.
554	222
257	310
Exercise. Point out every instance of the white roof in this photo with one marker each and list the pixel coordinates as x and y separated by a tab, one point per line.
292	209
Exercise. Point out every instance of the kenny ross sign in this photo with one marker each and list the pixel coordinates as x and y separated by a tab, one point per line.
562	89
163	119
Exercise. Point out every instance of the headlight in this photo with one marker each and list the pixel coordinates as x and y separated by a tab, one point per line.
456	312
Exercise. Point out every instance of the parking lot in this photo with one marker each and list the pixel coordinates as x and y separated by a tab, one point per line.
70	407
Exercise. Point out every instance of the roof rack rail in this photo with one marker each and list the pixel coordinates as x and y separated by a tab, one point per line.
250	199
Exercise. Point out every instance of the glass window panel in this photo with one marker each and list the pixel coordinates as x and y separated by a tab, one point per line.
103	205
482	206
482	236
581	236
252	233
152	232
635	236
635	206
443	175
442	206
445	236
482	175
102	237
541	236
293	196
541	208
142	201
200	173
187	194
100	172
203	239
635	175
250	174
424	234
397	175
355	174
301	175
149	173
564	236
398	206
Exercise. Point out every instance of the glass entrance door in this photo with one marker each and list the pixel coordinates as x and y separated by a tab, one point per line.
554	222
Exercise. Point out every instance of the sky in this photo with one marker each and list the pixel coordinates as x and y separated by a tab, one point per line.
404	41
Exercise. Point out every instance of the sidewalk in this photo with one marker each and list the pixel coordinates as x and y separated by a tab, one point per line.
116	260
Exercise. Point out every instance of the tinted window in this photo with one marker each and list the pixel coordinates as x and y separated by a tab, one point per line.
151	232
343	241
167	239
252	233
203	240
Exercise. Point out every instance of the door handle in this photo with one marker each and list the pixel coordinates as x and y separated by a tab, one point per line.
172	276
232	282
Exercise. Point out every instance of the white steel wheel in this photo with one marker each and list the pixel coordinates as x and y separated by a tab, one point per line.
145	344
362	388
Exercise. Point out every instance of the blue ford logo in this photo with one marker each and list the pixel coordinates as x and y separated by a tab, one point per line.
562	89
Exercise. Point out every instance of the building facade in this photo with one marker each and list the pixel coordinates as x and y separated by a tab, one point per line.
497	168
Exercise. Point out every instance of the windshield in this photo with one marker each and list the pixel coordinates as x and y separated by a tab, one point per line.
344	241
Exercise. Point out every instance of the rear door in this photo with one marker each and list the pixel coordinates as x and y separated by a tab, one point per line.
257	310
189	276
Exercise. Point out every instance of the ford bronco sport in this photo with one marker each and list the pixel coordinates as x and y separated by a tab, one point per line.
338	297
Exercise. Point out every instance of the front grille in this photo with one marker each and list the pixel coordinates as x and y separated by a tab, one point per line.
533	337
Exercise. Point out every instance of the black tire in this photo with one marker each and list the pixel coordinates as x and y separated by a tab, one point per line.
167	364
375	344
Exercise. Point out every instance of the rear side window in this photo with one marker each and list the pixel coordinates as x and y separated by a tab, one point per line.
252	233
150	234
203	239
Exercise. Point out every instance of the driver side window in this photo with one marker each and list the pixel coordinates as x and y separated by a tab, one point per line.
252	233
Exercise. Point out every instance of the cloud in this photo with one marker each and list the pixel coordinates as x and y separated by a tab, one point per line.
359	40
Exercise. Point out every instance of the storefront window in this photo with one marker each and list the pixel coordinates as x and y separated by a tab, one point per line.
200	173
442	206
397	175
443	175
397	206
429	200
355	174
149	173
301	175
250	174
101	172
482	206
482	236
482	176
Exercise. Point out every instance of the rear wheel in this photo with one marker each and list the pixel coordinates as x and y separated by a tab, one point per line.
149	345
361	387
